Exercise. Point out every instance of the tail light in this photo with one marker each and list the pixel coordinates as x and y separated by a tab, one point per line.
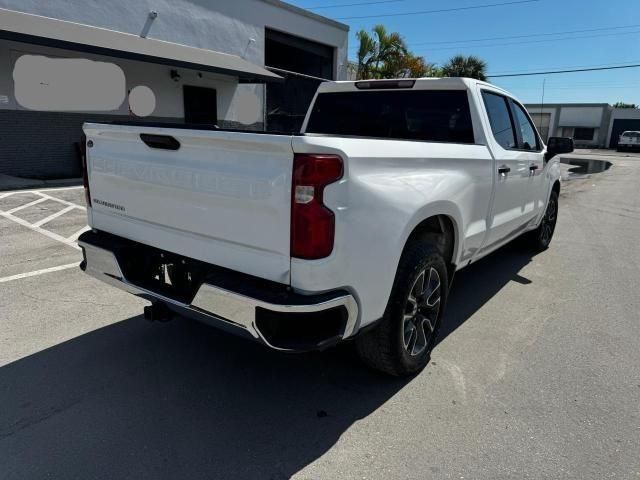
85	173
312	223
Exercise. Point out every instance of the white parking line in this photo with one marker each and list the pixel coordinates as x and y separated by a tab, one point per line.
75	236
46	233
55	215
65	202
26	205
38	272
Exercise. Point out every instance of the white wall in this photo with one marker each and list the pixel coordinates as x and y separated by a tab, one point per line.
222	25
169	98
581	117
549	116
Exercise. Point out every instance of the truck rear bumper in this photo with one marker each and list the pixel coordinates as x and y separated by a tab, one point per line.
273	315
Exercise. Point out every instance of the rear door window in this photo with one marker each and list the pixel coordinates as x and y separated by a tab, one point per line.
427	115
500	119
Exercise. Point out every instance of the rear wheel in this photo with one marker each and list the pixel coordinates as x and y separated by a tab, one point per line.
401	344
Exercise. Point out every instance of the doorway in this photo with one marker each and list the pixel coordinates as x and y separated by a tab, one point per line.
200	105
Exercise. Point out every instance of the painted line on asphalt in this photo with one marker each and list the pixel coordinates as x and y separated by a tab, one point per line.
46	233
59	200
75	236
38	272
27	205
55	215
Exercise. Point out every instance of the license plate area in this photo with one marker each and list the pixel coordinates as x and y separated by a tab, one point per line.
165	273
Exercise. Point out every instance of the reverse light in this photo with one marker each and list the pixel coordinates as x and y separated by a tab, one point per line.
304	194
312	223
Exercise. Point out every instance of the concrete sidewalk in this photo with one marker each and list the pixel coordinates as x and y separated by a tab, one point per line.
7	182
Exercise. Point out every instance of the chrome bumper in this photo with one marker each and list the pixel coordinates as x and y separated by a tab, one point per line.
212	303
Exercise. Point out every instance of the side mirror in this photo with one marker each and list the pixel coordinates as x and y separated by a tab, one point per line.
558	145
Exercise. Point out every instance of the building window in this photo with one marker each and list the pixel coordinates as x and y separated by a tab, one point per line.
583	133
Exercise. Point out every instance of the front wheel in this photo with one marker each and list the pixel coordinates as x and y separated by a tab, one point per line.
401	344
539	239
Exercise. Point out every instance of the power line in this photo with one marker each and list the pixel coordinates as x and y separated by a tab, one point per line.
353	4
529	42
600	87
552	72
615	64
546	34
528	35
441	10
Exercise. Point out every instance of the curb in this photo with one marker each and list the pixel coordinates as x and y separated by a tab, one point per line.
16	183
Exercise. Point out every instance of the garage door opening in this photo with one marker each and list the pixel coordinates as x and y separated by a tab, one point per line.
308	63
619	127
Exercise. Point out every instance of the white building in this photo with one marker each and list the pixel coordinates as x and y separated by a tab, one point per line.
235	63
591	125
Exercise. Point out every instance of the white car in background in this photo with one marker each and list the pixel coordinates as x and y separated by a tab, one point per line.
629	140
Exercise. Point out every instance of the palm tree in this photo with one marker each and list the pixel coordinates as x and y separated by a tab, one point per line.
385	55
367	52
461	66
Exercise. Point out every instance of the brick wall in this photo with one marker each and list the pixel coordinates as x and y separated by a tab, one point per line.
42	144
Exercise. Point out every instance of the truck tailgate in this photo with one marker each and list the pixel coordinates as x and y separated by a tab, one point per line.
221	197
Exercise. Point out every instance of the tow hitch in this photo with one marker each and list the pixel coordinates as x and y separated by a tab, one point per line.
157	311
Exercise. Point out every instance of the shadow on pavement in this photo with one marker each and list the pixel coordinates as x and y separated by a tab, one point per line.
183	400
177	400
478	283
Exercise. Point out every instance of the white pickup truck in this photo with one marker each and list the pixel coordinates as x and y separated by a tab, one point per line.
351	229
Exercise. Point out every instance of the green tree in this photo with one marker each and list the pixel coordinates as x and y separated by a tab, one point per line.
465	66
624	105
385	55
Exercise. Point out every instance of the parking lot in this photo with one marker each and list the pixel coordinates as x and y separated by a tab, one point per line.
537	373
40	229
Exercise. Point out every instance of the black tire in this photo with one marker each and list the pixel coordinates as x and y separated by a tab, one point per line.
385	347
539	239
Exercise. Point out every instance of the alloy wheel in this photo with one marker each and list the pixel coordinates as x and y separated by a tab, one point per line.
549	221
421	311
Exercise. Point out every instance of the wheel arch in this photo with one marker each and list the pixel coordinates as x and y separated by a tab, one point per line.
444	228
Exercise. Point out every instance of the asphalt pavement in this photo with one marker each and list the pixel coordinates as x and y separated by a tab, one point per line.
537	373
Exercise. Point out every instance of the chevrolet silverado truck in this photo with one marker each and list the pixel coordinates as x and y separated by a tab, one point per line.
351	229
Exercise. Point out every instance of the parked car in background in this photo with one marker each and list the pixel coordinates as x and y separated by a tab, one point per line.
351	229
629	140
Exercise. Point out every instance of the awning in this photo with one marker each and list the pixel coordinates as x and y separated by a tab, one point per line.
51	32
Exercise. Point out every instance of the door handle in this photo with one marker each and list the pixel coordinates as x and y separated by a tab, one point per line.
533	167
503	170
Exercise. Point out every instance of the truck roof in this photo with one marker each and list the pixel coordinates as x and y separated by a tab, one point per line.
403	83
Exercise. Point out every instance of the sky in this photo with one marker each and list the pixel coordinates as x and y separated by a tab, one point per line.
545	35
